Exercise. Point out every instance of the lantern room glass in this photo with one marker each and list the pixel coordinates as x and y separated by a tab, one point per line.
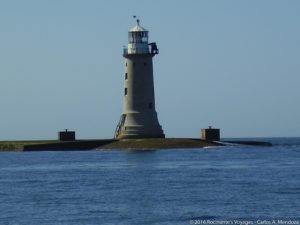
138	37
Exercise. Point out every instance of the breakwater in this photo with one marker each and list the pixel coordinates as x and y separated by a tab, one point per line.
136	144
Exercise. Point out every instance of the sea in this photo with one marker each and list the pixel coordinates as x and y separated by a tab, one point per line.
214	185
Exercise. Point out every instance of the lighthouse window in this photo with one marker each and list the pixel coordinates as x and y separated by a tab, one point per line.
125	91
150	105
126	76
145	64
130	37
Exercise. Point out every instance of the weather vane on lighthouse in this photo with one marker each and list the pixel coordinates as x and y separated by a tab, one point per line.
139	117
137	20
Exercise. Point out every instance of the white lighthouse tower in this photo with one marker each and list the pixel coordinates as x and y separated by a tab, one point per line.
139	118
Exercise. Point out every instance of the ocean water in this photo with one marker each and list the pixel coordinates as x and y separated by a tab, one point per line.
183	186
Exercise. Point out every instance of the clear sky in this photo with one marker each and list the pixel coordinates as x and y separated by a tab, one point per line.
230	64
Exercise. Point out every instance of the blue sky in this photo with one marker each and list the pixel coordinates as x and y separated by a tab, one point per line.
229	64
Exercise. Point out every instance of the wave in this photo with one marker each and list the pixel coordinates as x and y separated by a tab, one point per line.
276	141
288	142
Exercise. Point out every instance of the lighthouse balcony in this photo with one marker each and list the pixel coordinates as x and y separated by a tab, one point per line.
128	51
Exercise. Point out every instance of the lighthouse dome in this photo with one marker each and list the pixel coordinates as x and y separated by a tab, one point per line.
137	27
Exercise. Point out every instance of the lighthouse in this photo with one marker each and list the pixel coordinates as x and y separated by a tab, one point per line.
139	117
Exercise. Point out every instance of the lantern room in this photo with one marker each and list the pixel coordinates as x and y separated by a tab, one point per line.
138	34
137	40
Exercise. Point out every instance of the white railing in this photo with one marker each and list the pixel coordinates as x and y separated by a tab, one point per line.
127	51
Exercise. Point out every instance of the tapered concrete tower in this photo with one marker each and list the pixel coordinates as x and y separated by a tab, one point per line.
139	118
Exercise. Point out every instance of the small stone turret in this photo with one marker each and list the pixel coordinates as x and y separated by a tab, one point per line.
210	134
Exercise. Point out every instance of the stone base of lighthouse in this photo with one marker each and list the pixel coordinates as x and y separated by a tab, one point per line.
139	125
